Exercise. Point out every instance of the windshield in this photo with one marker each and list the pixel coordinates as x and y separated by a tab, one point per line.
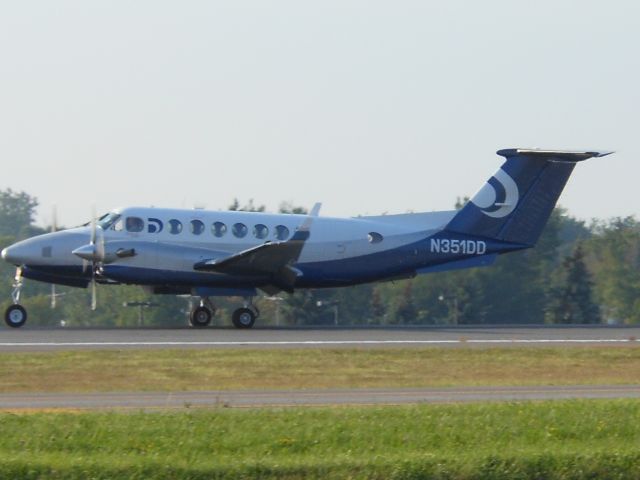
107	220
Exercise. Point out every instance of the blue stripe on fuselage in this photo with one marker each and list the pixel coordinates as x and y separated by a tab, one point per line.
438	249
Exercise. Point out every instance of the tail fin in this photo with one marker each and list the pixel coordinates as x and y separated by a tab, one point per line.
514	205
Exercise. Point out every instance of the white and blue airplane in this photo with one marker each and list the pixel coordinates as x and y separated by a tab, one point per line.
211	253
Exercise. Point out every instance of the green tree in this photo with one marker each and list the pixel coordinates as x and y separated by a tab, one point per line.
378	307
614	257
405	309
572	299
17	210
249	207
288	207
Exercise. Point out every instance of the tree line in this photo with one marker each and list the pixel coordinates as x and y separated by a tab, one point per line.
578	273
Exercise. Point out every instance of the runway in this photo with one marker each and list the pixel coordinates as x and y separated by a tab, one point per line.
247	399
39	339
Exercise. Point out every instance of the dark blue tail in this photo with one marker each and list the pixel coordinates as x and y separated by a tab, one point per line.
514	205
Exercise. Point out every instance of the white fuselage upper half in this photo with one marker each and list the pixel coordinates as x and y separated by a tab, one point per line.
228	232
155	246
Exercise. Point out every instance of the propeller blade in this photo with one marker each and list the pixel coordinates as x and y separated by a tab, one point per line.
54	219
94	301
100	244
54	228
93	225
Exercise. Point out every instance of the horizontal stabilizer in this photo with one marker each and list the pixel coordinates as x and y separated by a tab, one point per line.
552	155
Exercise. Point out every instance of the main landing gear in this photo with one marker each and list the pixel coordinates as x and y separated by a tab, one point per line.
202	314
243	317
16	316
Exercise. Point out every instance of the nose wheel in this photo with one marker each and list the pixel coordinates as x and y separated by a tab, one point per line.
15	316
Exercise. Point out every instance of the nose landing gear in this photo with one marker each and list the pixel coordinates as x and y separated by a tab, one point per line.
16	316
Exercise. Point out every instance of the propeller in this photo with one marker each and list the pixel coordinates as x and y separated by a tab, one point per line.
97	245
94	254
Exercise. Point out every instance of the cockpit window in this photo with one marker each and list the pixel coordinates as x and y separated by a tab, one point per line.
281	232
118	226
134	224
107	220
175	226
197	227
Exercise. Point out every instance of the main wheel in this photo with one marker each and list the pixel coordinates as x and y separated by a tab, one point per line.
200	317
15	316
243	318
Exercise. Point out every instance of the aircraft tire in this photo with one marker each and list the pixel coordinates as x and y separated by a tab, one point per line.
200	317
15	316
243	318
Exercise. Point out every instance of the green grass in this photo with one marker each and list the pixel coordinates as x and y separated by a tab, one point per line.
546	440
175	370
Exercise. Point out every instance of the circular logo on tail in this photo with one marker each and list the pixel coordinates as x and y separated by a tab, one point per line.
498	197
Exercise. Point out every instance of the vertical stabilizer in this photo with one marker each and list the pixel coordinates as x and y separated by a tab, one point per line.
515	204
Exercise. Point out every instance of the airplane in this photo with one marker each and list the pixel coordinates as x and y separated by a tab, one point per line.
232	253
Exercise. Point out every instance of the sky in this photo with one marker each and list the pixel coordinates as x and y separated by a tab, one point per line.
366	106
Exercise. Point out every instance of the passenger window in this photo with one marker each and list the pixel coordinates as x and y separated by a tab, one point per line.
282	232
197	227
239	230
135	224
175	226
260	231
374	237
219	229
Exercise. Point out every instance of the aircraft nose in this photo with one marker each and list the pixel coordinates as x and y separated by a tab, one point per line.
6	254
21	253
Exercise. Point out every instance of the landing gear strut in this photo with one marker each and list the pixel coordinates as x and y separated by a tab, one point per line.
16	316
202	314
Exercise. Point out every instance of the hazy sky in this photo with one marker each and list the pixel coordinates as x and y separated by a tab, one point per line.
367	106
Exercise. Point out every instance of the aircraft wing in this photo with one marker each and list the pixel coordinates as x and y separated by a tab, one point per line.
274	259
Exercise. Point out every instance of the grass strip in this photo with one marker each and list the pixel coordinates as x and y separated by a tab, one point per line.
181	370
552	440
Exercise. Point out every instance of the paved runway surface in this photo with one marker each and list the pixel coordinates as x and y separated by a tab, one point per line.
29	339
309	397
